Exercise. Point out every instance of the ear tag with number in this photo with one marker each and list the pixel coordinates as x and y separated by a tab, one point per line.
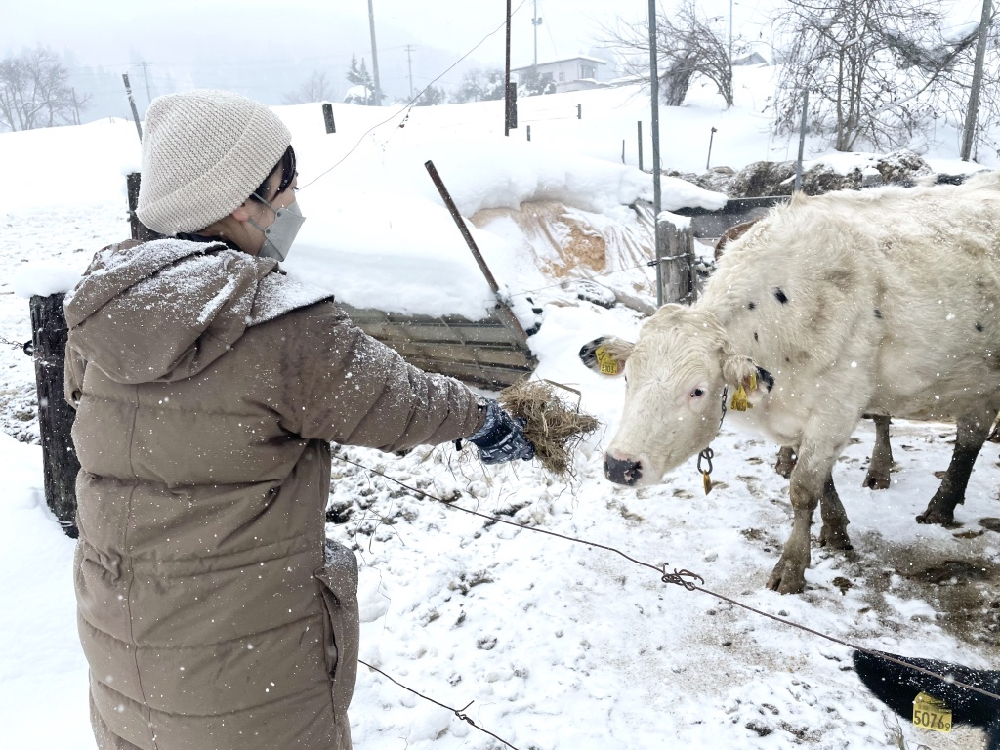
607	361
931	713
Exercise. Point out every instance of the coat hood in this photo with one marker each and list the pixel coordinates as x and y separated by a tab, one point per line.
164	310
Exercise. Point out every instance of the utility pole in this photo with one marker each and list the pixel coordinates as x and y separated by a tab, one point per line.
536	22
371	26
145	75
654	96
409	67
969	132
730	32
506	79
76	108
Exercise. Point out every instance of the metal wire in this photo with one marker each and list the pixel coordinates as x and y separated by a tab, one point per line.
459	712
680	578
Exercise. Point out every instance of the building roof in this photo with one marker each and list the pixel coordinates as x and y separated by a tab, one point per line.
585	58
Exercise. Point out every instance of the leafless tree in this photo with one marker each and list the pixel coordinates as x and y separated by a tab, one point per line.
687	43
316	89
35	92
868	65
953	93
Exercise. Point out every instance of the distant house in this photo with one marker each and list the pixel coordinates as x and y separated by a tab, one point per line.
754	58
573	74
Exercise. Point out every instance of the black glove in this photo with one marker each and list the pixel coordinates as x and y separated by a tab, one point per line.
501	437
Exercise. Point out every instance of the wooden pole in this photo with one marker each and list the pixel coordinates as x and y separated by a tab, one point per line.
654	97
509	319
802	140
506	79
371	28
139	230
969	131
131	101
511	106
55	416
331	126
640	145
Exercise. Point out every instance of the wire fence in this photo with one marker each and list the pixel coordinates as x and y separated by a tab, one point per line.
686	579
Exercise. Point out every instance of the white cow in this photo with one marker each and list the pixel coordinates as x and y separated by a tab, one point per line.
882	301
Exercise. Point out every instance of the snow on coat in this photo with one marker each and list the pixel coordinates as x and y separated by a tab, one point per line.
207	389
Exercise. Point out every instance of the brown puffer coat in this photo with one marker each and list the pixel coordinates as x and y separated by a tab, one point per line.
207	388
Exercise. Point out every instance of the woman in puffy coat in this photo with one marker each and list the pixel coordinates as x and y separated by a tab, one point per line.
208	386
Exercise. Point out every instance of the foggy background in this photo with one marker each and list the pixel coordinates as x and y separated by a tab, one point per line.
267	50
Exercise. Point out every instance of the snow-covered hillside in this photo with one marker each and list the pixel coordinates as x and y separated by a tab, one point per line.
558	644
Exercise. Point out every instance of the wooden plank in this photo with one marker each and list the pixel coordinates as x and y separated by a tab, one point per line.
55	416
485	355
481	375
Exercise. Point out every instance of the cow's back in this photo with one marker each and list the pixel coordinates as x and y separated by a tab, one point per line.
898	290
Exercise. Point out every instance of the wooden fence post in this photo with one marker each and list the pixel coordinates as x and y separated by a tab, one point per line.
675	253
331	126
55	416
640	145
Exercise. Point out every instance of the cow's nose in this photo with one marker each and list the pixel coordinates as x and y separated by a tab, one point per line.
622	471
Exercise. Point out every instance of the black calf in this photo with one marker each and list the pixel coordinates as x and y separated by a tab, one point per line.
897	686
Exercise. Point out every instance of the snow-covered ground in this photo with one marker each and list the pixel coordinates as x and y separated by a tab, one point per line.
557	644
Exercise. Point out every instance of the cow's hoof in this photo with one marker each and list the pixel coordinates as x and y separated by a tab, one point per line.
834	538
787	578
876	480
785	463
936	515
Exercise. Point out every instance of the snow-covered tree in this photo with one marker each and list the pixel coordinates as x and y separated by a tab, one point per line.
35	92
868	65
430	96
316	89
687	43
532	83
480	86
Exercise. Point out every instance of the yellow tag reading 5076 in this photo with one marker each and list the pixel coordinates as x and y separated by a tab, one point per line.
930	713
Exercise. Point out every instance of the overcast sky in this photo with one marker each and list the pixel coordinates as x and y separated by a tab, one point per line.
265	49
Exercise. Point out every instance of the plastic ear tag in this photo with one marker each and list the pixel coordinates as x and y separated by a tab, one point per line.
607	361
930	713
752	385
739	400
706	481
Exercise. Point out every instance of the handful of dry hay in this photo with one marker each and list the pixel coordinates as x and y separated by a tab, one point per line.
550	423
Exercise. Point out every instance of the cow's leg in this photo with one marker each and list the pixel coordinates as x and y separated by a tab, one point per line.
834	531
881	462
972	431
786	461
821	444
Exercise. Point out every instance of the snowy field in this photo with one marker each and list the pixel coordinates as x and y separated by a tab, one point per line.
556	644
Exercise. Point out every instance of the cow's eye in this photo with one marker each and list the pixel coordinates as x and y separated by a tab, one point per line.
697	393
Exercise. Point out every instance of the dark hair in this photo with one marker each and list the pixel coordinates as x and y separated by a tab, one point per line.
287	166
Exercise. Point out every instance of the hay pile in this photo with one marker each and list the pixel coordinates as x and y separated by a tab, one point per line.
550	423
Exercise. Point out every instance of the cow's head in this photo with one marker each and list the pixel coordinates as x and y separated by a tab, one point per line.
677	375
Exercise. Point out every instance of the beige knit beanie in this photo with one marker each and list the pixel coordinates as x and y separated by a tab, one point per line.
203	154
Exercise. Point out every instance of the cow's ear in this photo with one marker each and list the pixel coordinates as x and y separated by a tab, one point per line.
748	381
606	355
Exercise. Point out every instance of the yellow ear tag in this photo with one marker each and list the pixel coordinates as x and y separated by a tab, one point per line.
752	385
706	480
607	361
930	713
739	400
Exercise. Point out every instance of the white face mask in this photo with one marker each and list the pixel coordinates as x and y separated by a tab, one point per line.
278	237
